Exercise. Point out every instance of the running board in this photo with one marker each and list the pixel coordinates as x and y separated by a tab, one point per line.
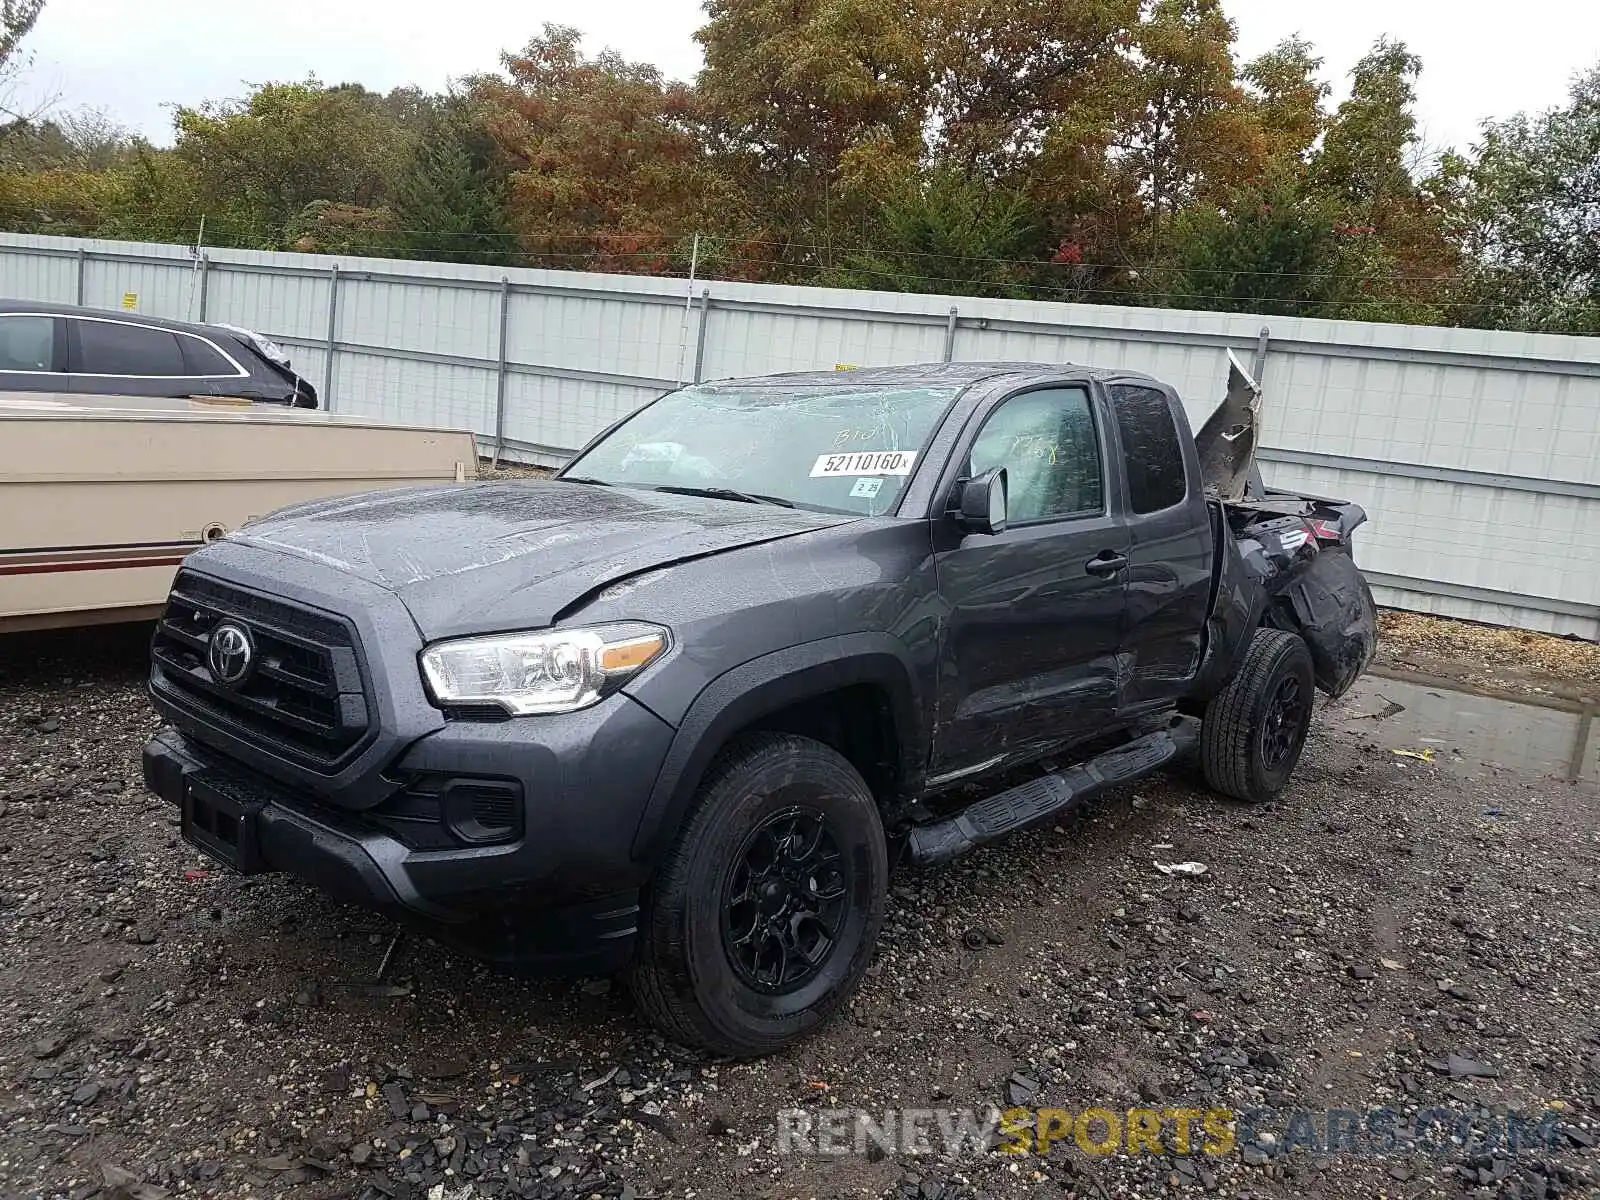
1016	808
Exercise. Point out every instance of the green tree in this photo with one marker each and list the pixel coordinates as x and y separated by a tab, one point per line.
256	164
1366	156
17	19
64	202
448	200
945	232
1268	249
799	97
1533	215
1177	130
1020	84
1394	257
1259	237
84	140
1288	98
1187	130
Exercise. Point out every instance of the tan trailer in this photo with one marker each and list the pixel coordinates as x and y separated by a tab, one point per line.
102	496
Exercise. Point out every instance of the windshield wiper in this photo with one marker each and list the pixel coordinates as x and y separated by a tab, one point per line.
722	493
584	479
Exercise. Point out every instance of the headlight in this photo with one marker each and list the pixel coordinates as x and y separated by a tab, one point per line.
556	671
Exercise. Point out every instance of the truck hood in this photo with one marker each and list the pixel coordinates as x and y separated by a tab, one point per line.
515	555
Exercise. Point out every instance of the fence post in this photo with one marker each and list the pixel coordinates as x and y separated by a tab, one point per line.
950	334
333	329
1259	362
500	374
205	283
1580	743
83	262
700	334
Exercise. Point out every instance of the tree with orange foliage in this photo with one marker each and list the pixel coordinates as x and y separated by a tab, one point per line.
604	167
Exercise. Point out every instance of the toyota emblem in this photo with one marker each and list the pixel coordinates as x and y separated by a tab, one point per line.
230	653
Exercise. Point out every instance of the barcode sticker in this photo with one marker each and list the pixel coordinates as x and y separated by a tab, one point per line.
865	462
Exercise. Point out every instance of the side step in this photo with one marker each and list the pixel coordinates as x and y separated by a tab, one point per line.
1015	808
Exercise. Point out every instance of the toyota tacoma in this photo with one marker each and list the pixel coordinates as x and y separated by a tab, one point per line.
678	711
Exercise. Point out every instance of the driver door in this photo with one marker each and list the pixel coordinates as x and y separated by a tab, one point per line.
1033	615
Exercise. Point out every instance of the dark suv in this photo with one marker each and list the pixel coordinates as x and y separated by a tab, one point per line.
678	710
54	348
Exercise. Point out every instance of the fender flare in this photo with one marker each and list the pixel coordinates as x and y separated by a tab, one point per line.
762	686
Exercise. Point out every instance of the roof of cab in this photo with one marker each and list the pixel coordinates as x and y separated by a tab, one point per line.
914	375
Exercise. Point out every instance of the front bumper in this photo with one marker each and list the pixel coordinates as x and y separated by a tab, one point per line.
562	897
553	888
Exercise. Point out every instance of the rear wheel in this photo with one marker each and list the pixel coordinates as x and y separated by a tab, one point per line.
1255	729
765	914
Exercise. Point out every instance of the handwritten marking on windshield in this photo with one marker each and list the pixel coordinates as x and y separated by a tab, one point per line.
864	434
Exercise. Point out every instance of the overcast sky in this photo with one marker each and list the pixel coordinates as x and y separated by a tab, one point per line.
135	57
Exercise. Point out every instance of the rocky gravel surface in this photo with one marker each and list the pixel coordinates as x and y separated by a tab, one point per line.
1393	935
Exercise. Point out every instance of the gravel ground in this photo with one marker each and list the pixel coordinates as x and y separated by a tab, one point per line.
1390	934
1508	662
511	470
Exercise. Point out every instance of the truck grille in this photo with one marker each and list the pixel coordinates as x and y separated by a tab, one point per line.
302	695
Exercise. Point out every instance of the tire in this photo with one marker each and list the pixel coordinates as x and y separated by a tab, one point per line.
1251	736
707	971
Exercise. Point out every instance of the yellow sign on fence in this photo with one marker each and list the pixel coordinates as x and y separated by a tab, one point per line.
130	301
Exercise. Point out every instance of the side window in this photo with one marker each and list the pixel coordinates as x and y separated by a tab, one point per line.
1046	442
201	358
1150	442
27	343
111	348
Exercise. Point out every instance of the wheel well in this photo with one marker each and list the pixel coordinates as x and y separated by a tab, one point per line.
858	722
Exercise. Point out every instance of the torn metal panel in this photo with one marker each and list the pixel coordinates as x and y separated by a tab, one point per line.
1229	439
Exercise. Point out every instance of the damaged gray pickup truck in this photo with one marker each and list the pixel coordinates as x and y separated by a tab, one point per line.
678	711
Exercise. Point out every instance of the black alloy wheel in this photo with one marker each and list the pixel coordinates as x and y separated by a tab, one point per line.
786	901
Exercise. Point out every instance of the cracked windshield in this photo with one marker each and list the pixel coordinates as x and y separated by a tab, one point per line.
832	449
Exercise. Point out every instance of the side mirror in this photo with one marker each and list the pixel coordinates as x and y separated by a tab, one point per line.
983	502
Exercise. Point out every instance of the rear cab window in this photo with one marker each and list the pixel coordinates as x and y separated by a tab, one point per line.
27	343
200	357
115	348
1151	446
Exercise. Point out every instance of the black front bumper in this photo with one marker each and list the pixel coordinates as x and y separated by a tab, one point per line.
510	839
533	905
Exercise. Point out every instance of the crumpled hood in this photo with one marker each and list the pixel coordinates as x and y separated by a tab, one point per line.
478	558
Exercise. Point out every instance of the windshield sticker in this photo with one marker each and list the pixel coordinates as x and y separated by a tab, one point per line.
865	462
866	489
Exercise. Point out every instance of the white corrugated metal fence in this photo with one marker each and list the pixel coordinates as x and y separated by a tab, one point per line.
1476	453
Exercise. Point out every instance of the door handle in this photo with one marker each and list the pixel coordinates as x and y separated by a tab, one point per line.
1107	562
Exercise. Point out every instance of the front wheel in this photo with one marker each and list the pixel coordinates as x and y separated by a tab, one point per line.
764	915
1255	728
